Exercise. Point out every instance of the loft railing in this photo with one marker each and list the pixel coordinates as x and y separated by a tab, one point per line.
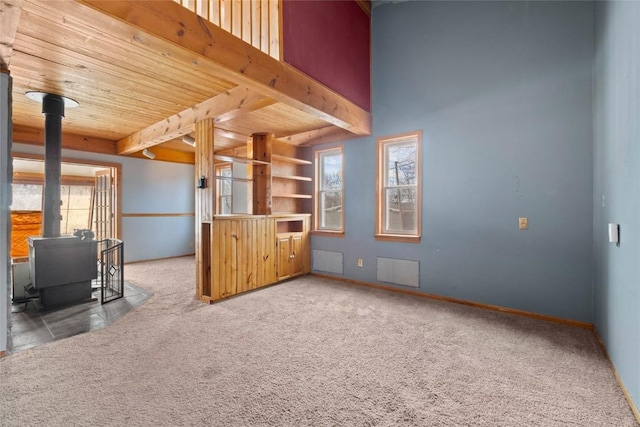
257	22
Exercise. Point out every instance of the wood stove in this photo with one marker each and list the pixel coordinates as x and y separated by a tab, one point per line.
61	267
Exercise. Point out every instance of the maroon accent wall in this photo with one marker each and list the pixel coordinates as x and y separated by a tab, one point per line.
331	42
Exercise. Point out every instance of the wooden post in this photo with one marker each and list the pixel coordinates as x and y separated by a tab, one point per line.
205	206
262	146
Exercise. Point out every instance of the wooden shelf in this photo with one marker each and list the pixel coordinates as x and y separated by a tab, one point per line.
287	159
239	160
293	177
292	196
230	178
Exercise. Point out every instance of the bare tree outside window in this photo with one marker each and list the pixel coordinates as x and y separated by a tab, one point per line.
399	185
329	201
400	213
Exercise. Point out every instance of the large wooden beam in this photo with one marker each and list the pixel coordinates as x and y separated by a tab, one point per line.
70	141
171	28
319	136
9	18
168	155
35	136
226	105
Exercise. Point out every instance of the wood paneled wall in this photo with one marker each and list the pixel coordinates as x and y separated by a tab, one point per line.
243	255
205	203
257	22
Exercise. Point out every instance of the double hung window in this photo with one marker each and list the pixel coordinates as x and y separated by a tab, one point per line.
329	191
399	188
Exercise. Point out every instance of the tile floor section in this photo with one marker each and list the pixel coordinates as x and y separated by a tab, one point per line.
32	326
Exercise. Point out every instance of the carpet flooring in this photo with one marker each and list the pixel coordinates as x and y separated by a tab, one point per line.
310	352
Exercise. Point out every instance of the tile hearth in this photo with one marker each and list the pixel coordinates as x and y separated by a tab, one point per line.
32	326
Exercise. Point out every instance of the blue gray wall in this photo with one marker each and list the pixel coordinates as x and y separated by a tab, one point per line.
503	94
149	187
617	185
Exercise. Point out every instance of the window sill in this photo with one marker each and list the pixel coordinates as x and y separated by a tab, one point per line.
397	238
327	233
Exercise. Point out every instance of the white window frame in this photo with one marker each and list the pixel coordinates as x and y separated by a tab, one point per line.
319	225
384	183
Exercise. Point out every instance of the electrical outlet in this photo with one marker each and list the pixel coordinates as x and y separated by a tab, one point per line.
360	262
523	223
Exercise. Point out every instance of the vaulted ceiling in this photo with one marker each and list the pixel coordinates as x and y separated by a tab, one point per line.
145	72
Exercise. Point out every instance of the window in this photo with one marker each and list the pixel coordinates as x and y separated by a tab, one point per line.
26	197
224	189
399	188
75	210
89	193
329	191
76	207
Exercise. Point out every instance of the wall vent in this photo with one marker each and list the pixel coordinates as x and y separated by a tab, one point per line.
399	271
327	261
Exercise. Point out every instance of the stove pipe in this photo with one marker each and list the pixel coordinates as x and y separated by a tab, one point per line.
53	110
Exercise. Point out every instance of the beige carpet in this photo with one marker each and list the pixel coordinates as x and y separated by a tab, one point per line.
310	352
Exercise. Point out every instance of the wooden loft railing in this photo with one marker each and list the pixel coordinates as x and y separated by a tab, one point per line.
257	22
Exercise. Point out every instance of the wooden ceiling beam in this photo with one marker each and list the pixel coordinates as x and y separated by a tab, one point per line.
174	29
243	109
319	136
9	17
227	134
227	104
168	155
35	136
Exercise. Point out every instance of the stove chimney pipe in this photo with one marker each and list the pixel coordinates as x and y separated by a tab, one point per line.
53	110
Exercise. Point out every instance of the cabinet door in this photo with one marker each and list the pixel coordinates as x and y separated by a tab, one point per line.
292	254
297	251
284	257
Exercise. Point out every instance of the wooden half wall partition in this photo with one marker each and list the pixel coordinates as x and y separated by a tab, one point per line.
236	253
241	253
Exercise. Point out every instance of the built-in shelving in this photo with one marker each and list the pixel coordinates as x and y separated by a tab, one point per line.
287	159
275	233
232	159
230	178
288	192
292	196
293	177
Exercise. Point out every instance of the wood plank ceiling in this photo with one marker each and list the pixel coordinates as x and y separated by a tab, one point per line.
145	72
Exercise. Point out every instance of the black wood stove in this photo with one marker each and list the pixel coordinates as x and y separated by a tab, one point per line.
61	267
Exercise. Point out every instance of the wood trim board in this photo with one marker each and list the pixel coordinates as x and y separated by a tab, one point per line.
569	322
625	392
